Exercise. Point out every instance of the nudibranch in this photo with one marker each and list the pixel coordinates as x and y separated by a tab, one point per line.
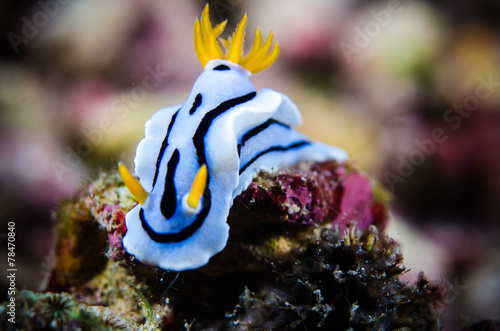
198	156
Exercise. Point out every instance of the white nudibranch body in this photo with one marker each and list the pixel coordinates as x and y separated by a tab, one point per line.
213	144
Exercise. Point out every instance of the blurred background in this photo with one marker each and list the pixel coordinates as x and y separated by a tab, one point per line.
411	89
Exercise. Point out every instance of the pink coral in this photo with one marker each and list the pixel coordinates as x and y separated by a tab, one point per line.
316	193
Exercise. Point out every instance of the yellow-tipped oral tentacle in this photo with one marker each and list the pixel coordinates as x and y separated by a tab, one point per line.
198	187
132	184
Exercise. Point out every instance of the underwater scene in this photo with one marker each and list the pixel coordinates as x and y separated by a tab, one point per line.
250	165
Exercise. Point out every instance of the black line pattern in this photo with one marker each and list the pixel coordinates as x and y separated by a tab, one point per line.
163	147
196	104
178	236
201	131
275	149
221	67
169	199
199	143
258	129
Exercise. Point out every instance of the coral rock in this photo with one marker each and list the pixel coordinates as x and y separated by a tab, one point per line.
305	251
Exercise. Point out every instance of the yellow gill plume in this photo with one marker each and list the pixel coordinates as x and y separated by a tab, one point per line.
207	45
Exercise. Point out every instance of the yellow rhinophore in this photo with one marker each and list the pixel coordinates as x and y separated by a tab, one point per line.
132	184
207	45
198	187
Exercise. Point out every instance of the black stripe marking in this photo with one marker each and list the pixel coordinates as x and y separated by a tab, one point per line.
199	143
178	236
163	147
169	198
258	129
196	104
221	67
201	131
198	140
275	149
